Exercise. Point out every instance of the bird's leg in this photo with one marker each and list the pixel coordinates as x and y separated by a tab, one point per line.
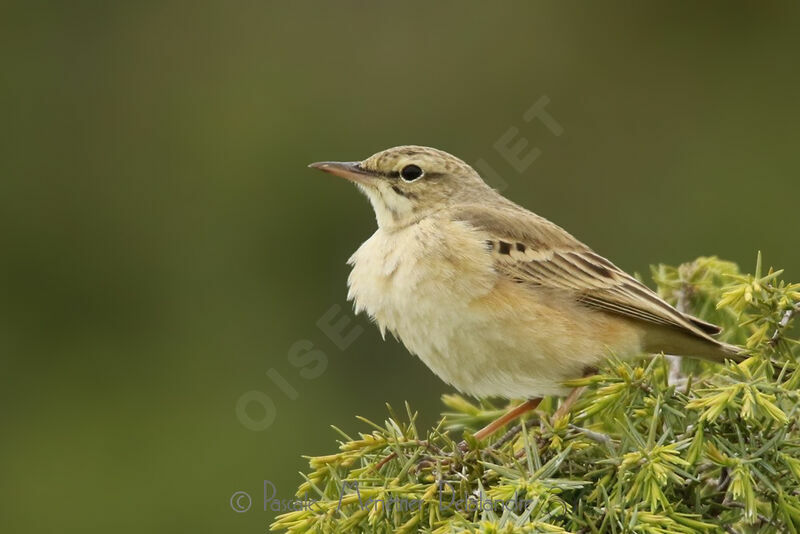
566	406
503	420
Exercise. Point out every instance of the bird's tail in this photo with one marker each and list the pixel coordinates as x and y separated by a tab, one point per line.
698	345
725	351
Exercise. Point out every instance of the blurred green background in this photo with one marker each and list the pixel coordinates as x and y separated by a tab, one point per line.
164	245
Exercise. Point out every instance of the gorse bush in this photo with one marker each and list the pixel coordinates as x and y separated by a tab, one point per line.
713	449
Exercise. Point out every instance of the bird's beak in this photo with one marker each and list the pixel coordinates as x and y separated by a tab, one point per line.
350	170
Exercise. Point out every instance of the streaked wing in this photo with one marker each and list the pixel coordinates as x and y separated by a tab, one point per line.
531	250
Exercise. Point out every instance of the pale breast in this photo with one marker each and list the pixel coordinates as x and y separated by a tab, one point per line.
399	276
417	284
433	285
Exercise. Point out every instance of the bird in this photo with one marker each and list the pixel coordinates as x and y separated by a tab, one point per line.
494	299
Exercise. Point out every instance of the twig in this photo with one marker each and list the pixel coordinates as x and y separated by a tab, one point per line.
724	480
761	517
682	305
592	435
508	436
569	402
385	461
421	443
682	383
682	295
787	316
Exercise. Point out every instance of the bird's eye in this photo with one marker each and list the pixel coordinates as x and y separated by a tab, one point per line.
410	173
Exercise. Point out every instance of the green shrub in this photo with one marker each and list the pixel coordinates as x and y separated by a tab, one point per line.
716	451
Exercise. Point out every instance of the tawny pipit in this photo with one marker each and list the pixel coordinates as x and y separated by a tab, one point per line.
496	300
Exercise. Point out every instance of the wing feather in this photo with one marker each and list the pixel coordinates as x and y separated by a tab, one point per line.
531	250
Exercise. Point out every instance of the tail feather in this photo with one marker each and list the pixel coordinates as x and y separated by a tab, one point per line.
707	328
699	345
726	351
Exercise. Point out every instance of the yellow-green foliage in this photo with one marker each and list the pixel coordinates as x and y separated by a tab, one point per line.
719	451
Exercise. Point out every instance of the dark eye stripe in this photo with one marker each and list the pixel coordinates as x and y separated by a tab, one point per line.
407	194
396	174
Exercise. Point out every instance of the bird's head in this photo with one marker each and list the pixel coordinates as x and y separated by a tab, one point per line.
406	183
